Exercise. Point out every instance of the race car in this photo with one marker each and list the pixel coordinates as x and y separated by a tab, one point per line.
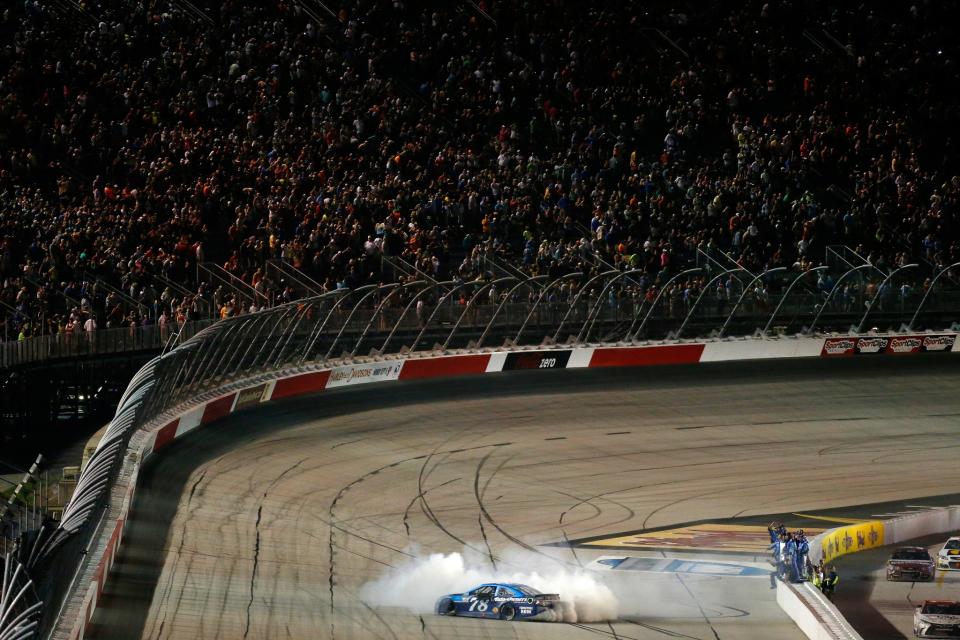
910	563
501	601
948	558
937	619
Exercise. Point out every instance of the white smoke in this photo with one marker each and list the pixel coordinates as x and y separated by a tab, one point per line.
420	581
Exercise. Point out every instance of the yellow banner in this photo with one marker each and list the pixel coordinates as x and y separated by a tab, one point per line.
852	538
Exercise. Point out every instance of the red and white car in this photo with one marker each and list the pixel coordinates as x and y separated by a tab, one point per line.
910	563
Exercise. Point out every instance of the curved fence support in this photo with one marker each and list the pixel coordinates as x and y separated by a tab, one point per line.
929	290
786	294
380	308
833	290
19	618
576	299
504	302
305	309
209	355
876	295
251	324
343	326
631	335
433	313
469	305
576	274
595	311
696	302
407	308
321	325
743	295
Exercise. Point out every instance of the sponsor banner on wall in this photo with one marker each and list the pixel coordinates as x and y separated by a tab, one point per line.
852	538
917	344
872	345
364	373
250	397
888	344
839	347
905	344
520	360
939	343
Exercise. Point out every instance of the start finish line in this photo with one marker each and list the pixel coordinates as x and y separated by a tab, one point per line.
670	565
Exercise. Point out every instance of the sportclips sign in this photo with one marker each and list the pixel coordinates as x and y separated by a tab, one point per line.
887	344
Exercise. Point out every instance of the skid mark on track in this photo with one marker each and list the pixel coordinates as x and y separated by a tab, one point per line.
379	618
601	632
667	632
673	503
419	497
256	566
486	514
706	618
332	528
486	541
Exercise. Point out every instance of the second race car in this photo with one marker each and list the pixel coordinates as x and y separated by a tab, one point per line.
503	601
948	558
910	563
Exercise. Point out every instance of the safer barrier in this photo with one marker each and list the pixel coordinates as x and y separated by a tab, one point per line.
833	543
252	391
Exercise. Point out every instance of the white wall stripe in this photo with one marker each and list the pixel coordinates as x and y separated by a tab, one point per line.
496	362
580	358
190	421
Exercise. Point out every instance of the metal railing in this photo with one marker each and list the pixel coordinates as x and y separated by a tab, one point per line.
92	343
427	316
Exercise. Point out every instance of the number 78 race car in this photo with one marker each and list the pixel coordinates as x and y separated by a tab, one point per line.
501	601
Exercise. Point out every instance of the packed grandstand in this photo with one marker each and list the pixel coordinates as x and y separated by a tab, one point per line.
145	144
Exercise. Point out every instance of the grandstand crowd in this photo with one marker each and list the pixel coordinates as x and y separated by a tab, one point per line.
141	140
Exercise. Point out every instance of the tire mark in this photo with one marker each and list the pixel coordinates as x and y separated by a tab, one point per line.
379	618
406	512
608	634
673	503
587	501
332	528
256	566
667	632
697	602
486	541
424	630
486	515
165	598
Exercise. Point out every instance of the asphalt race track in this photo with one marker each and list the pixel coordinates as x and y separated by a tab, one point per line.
269	523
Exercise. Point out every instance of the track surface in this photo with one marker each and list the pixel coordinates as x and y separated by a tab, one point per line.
267	524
